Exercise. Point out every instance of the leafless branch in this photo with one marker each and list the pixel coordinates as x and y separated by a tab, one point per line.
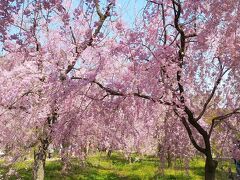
221	74
118	93
83	46
218	119
11	106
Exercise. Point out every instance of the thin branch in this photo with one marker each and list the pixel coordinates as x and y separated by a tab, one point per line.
221	74
164	25
191	35
108	90
11	106
83	46
154	2
98	9
118	93
218	119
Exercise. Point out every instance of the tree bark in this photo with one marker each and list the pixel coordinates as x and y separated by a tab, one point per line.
210	168
109	152
169	159
65	163
40	153
65	157
39	161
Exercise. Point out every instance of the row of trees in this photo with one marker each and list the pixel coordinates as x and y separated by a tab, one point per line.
73	73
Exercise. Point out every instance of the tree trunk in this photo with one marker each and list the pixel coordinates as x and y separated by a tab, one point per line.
129	159
65	159
161	159
39	163
40	153
109	152
65	164
210	168
169	159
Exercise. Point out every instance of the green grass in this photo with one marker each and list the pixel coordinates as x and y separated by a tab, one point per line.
100	167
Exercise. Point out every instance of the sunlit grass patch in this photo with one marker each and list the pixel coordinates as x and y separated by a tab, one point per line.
100	167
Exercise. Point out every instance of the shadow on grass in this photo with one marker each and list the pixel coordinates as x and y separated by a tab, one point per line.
173	177
22	173
116	167
118	160
90	171
197	170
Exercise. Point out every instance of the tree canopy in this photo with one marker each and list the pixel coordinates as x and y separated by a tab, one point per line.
75	73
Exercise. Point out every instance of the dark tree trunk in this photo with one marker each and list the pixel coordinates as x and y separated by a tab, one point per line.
161	158
159	148
169	162
109	152
169	158
210	168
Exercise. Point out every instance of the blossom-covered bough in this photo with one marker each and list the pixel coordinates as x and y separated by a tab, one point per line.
74	75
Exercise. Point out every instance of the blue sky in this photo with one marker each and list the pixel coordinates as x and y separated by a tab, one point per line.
130	9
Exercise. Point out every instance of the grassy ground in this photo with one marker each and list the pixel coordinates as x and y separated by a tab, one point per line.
100	167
